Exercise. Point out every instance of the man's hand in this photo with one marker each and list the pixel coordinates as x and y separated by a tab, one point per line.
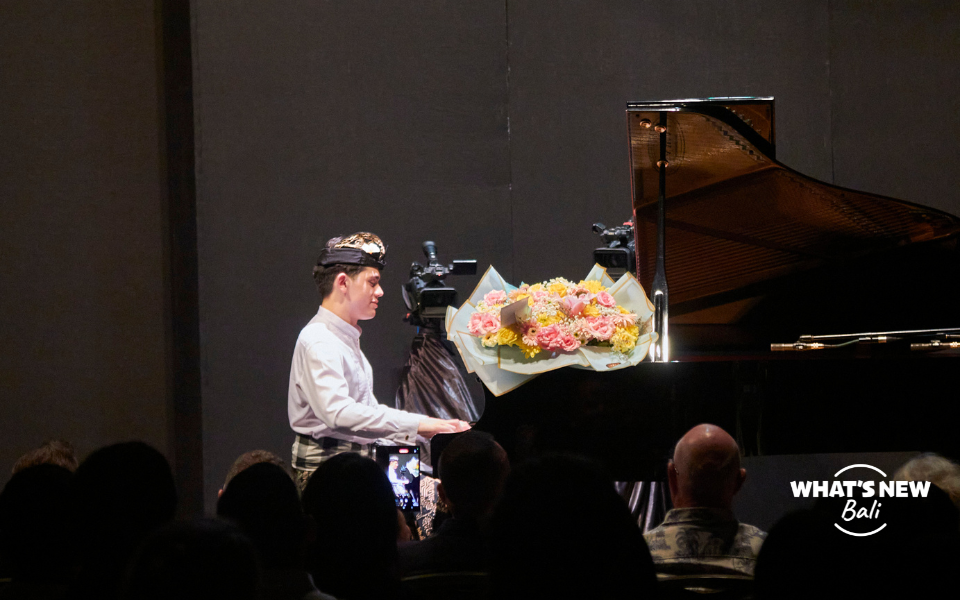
429	427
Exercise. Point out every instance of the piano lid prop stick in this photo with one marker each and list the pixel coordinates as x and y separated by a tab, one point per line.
661	351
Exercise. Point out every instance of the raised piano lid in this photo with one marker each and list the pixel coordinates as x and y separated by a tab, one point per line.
757	252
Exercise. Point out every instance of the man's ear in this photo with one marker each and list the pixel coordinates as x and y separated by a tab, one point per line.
672	481
741	477
219	492
340	279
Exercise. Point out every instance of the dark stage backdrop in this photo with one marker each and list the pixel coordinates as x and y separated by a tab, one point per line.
497	129
319	118
83	292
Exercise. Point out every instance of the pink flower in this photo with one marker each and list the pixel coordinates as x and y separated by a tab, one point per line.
495	297
540	295
483	323
605	299
573	305
601	328
530	331
624	320
581	328
554	337
549	337
568	343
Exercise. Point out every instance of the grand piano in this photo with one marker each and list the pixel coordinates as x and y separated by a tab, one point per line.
756	254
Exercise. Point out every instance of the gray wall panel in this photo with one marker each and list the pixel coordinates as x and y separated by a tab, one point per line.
83	314
573	66
895	78
747	48
324	118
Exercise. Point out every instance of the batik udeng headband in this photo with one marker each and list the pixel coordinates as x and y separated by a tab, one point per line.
350	256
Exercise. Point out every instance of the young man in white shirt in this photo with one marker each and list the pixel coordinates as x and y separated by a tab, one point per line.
330	400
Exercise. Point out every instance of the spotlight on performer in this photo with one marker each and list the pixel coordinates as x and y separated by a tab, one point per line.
619	254
425	294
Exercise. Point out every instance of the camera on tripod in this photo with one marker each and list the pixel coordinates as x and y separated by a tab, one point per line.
619	255
425	294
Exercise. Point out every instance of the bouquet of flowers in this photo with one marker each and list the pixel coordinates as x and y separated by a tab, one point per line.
509	334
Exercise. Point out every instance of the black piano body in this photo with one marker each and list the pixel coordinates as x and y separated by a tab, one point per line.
757	253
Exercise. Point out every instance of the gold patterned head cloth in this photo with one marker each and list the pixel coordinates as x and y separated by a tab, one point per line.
361	248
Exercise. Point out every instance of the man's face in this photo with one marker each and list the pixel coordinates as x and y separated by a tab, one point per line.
363	293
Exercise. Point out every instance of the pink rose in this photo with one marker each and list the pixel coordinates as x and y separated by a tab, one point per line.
483	323
568	343
605	299
601	328
474	325
495	297
548	337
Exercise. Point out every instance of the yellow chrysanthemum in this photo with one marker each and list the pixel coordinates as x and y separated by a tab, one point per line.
545	319
507	337
528	351
489	340
592	286
622	341
623	311
591	310
632	330
558	288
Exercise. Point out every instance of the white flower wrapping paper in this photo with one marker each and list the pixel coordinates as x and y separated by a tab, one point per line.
505	368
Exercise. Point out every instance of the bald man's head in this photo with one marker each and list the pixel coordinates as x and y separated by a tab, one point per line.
705	470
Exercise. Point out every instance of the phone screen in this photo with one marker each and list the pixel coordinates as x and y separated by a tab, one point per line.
402	465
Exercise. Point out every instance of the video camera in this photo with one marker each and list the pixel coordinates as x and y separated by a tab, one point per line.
425	294
619	255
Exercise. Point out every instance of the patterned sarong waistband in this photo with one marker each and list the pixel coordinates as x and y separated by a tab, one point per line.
308	452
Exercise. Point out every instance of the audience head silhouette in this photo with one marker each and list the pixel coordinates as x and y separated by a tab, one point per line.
194	561
472	470
795	563
355	553
122	493
537	552
263	501
51	452
940	471
34	525
247	460
705	471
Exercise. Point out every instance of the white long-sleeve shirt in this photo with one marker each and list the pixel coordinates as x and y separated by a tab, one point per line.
331	388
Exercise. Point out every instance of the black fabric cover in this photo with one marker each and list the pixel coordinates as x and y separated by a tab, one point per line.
431	382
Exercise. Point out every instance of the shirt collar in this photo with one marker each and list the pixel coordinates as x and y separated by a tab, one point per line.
330	319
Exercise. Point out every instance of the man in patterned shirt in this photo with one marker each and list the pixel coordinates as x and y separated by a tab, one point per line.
700	535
